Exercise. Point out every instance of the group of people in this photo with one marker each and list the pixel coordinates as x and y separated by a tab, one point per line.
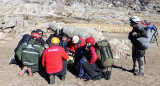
80	54
31	53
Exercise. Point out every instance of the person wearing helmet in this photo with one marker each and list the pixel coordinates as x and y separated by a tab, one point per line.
54	60
88	60
29	54
76	44
26	38
41	40
57	33
137	54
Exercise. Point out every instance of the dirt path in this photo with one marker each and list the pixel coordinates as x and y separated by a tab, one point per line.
120	77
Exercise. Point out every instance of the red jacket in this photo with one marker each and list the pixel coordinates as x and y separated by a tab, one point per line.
93	55
52	59
74	47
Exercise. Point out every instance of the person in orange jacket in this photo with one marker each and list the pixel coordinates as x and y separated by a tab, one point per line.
54	60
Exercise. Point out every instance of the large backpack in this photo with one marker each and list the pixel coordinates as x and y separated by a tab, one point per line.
104	52
152	33
30	53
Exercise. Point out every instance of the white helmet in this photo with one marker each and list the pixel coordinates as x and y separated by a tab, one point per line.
135	19
75	39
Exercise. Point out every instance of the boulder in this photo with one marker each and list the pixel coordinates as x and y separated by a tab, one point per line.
2	35
7	30
54	26
119	48
19	29
9	23
83	32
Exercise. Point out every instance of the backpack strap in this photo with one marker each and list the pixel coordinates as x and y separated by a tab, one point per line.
32	46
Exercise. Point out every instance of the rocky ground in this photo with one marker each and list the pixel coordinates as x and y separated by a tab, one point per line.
120	75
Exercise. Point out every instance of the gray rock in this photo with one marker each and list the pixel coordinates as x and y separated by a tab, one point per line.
54	26
83	32
115	56
7	30
25	23
2	35
19	29
119	48
9	23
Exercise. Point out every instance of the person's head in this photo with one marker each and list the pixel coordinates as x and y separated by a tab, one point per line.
40	32
58	32
90	41
134	20
35	36
55	40
64	37
75	39
33	32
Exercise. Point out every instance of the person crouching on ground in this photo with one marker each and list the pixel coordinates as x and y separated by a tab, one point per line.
29	54
88	61
54	60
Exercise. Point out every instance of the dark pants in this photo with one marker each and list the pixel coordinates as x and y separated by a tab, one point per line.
63	71
92	69
138	58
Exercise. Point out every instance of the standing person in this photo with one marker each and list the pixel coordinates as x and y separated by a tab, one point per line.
29	54
54	60
88	60
137	53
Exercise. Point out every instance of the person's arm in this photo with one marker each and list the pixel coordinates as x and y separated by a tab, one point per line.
83	43
19	52
93	55
71	49
64	54
48	41
44	60
42	42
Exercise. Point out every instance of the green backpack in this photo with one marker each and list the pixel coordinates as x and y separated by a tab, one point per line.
104	52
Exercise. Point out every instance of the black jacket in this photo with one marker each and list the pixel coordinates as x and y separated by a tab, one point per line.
48	41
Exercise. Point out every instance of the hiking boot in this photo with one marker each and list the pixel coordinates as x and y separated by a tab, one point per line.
52	79
134	71
62	78
96	78
30	72
12	60
22	72
139	74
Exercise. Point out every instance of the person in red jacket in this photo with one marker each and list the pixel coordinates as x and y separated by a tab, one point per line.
54	60
76	44
90	65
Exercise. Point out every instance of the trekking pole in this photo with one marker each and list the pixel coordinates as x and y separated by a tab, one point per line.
144	59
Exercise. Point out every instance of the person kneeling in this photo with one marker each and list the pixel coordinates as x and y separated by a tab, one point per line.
54	60
87	64
29	54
